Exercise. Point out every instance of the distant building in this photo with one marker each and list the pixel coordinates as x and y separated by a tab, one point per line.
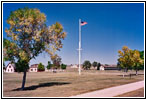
10	68
33	68
109	67
102	67
74	66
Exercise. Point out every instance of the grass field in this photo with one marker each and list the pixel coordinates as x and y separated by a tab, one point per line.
63	84
136	93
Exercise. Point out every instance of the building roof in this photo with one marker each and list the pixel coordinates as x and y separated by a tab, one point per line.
11	64
109	66
34	66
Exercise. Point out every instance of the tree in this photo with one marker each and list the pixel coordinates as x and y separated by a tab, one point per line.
141	54
125	59
137	61
28	36
98	66
41	67
94	64
56	63
142	57
86	64
49	65
9	49
129	59
63	66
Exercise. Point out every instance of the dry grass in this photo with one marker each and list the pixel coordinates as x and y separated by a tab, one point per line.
136	93
63	84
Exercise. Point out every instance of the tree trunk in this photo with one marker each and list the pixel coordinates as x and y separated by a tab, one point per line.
24	80
130	75
136	72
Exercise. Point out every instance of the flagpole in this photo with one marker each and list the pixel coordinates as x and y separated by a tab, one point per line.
79	46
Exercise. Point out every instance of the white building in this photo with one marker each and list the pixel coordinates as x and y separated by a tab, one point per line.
109	67
74	66
33	68
102	68
10	68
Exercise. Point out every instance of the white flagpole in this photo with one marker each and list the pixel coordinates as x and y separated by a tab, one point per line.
79	46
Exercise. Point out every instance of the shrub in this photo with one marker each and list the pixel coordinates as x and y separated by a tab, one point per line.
41	67
63	66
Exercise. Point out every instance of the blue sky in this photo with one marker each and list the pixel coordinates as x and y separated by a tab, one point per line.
110	27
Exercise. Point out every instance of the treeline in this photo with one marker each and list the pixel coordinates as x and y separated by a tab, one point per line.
87	65
41	67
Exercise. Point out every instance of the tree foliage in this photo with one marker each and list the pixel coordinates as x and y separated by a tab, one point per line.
41	67
29	34
49	65
21	65
86	64
137	61
63	66
56	63
142	57
98	66
94	64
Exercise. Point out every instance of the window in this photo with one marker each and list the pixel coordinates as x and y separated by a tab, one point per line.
9	66
11	70
8	70
31	69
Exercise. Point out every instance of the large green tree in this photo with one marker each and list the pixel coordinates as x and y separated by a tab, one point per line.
29	36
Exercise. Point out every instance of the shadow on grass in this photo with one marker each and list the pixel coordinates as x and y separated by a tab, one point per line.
33	87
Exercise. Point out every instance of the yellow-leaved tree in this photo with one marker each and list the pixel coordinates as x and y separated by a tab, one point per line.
28	36
129	59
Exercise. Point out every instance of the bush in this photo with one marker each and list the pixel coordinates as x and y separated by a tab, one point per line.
63	66
41	67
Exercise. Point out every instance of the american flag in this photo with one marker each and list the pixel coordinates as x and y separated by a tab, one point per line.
83	23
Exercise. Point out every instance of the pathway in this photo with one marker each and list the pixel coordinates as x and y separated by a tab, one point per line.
114	91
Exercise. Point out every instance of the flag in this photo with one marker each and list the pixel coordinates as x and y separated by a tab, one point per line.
83	23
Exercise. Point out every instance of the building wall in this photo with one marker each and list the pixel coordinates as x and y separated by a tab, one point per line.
33	70
102	68
10	69
74	66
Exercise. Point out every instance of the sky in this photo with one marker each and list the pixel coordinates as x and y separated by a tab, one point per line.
110	27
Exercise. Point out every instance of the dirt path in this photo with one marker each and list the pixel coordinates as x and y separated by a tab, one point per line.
114	91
